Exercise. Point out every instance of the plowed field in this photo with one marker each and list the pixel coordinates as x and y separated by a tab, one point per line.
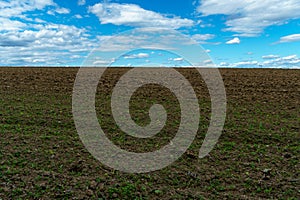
257	155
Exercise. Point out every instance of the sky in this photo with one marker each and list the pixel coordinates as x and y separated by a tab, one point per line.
233	33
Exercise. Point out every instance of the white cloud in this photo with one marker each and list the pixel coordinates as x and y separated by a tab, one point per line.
15	8
270	56
50	44
290	38
62	11
19	8
26	39
40	21
178	59
134	56
244	63
101	62
224	64
81	2
59	11
291	57
208	62
146	38
10	25
50	12
251	17
134	15
78	16
201	38
235	40
271	61
291	61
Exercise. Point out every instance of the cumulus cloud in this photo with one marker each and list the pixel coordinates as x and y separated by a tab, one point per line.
250	18
235	40
290	38
50	44
28	40
10	25
19	8
134	15
15	8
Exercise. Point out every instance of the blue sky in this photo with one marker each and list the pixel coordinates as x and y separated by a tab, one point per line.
240	33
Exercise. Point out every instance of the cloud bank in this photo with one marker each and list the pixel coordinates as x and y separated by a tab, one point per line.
251	17
269	61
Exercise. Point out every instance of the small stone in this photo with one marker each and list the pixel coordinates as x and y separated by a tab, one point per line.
101	187
114	195
47	173
89	193
5	189
192	174
266	171
93	185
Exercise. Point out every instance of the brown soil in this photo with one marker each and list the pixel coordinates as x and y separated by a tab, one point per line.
257	156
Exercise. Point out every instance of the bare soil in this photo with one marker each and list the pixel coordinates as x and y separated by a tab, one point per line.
257	156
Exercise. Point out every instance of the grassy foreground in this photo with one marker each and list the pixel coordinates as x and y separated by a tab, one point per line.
257	156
